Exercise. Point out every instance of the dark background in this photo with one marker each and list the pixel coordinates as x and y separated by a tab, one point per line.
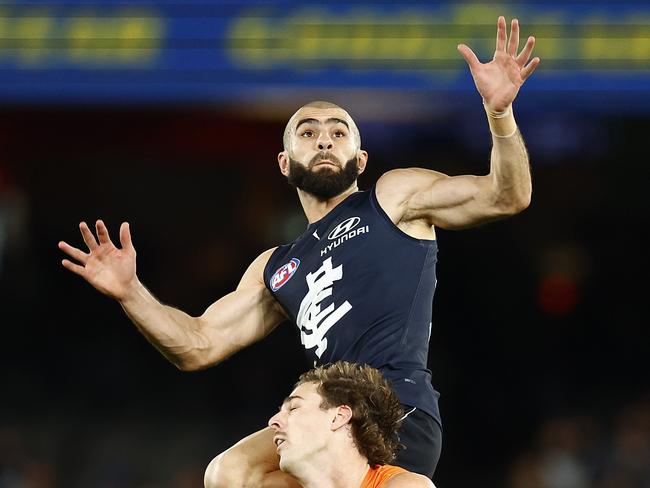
537	319
170	116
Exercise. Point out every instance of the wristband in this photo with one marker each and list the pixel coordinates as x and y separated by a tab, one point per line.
502	124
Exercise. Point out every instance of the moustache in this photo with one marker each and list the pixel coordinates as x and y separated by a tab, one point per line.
324	157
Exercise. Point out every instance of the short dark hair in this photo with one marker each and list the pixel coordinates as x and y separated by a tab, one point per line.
376	410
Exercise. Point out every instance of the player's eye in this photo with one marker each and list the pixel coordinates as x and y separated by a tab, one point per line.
339	133
307	133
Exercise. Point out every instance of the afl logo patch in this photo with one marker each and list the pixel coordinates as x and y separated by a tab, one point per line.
344	227
284	274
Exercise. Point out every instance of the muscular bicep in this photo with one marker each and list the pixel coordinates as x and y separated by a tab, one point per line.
242	317
448	202
457	202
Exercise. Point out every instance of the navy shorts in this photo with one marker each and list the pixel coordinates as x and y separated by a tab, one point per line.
422	436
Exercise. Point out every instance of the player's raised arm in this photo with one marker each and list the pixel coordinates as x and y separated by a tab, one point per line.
228	325
464	201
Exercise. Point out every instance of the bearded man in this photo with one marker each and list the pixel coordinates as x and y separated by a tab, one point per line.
359	281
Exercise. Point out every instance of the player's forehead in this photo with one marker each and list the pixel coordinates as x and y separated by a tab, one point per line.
320	115
306	392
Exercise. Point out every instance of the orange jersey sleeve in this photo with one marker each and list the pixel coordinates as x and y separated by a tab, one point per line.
378	475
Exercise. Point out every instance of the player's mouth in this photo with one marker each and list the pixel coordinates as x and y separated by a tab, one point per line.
278	442
326	162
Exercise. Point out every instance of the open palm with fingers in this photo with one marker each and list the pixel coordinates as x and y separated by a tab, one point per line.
109	269
499	81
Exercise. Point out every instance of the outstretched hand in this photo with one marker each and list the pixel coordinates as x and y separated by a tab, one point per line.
109	269
499	81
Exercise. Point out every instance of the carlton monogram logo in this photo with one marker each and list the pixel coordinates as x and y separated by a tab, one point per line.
344	227
313	321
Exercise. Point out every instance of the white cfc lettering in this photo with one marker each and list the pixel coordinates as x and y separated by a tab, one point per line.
312	321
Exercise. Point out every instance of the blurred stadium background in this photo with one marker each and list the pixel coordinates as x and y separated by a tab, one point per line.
170	115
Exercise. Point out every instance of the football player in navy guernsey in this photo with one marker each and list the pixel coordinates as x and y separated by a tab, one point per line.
358	283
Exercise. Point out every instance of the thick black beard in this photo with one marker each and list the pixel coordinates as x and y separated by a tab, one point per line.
322	183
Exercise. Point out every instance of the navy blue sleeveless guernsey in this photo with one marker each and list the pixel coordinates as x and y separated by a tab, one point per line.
361	290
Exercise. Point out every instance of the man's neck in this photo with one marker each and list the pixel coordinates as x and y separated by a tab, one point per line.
338	472
316	209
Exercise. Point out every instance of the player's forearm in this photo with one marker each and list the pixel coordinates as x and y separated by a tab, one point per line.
509	165
173	332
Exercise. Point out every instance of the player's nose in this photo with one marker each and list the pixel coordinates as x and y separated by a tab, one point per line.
275	422
324	141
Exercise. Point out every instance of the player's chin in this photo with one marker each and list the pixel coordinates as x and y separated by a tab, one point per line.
285	464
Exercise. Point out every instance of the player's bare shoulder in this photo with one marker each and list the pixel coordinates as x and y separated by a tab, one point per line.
409	480
254	275
254	278
396	188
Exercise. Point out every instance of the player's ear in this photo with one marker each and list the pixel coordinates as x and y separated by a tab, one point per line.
283	161
342	417
362	160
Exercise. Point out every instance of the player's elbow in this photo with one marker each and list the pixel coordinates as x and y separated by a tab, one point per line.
195	358
198	350
520	203
194	361
511	204
187	366
184	363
